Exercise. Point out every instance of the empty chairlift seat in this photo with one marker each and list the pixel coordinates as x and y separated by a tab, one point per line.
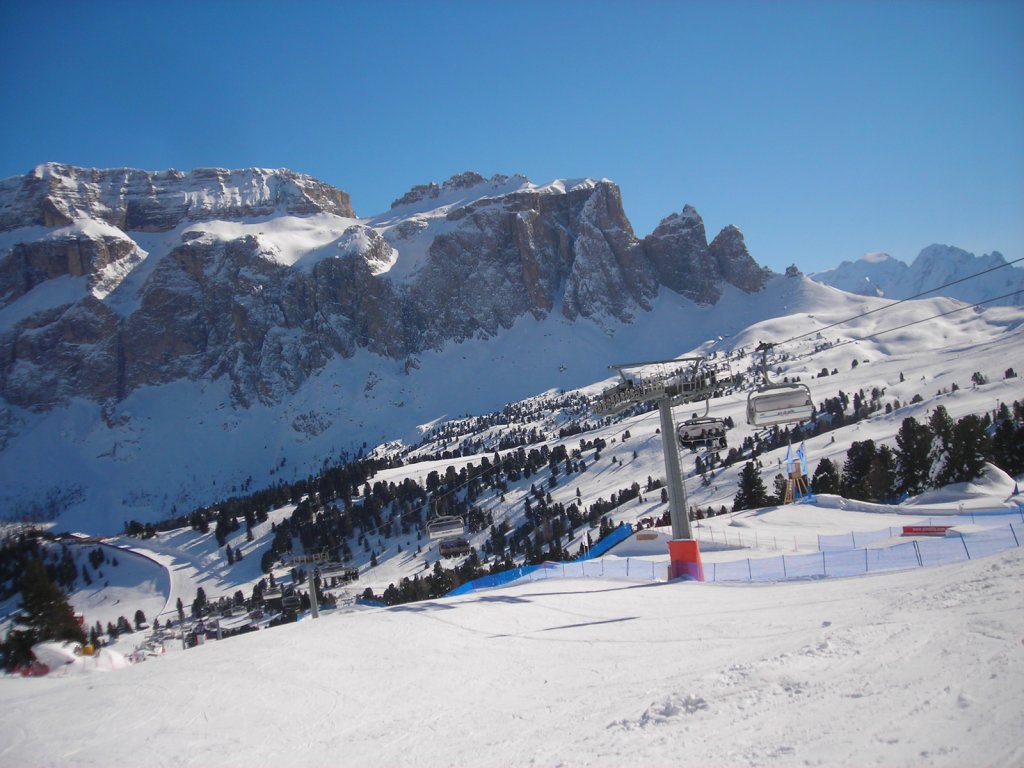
779	404
445	527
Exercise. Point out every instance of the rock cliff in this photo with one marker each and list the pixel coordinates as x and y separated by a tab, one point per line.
119	279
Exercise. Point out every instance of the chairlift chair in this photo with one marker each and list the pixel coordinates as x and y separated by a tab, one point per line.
779	404
694	433
453	547
703	430
773	404
445	527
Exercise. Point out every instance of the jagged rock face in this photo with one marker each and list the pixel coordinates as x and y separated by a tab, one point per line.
71	254
610	272
678	249
229	301
60	354
54	195
734	262
513	254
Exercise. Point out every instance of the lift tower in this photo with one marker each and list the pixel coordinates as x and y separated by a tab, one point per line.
669	383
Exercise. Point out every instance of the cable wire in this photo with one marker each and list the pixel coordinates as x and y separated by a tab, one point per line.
924	320
909	298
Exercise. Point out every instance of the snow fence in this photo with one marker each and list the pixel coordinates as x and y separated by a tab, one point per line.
830	563
617	536
833	561
857	539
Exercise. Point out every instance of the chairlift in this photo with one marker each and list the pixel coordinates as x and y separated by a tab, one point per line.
772	404
445	527
335	572
694	433
702	431
453	547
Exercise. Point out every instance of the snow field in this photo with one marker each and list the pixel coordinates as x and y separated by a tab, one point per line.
917	668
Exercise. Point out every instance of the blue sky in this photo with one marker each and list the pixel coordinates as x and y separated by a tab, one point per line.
823	130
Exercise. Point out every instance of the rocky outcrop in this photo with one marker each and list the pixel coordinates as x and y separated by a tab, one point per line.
218	301
54	195
67	253
683	260
735	263
678	250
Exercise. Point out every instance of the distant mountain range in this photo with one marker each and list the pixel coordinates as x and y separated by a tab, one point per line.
879	274
171	338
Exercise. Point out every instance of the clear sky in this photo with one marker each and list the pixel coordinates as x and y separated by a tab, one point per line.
823	130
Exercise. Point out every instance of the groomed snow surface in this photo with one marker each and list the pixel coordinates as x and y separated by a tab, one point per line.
916	668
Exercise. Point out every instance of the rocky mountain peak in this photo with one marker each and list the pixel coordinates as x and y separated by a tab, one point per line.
457	183
935	266
133	200
737	267
267	304
678	250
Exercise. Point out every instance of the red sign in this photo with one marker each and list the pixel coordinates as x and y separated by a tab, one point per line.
925	530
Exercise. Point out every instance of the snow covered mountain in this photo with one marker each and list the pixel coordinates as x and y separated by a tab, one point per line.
133	305
879	274
114	280
168	339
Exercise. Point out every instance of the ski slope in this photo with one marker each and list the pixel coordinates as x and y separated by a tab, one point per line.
919	668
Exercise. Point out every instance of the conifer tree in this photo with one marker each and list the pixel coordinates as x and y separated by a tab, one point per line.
856	469
1008	447
751	493
913	444
45	615
941	426
969	446
880	482
826	477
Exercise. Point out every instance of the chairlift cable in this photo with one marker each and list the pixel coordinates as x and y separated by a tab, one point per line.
926	319
909	298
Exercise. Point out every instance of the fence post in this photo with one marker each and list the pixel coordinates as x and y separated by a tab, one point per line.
750	573
964	542
824	570
917	551
627	566
784	574
865	559
853	538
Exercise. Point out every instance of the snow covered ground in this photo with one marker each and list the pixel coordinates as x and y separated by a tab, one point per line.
919	667
923	667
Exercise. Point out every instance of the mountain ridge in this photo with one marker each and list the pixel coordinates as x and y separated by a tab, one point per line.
879	274
203	286
143	371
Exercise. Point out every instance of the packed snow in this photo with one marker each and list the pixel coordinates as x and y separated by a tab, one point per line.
922	667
